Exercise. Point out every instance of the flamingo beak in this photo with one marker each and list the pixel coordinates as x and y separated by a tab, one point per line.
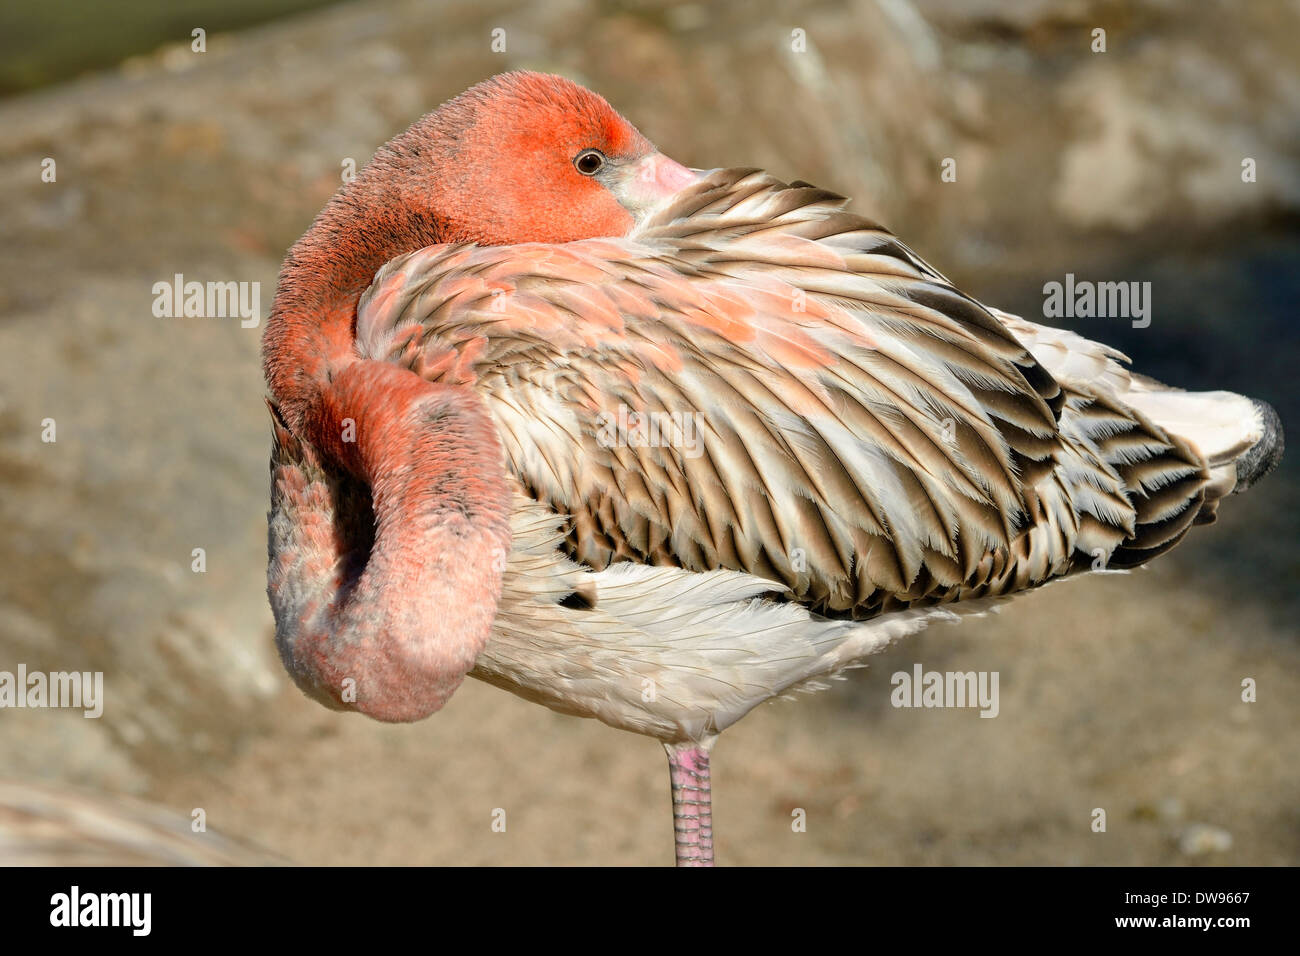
650	181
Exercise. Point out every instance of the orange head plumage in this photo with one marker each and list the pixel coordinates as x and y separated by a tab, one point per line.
521	157
529	157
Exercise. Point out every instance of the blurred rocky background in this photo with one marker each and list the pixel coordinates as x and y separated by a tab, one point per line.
1121	692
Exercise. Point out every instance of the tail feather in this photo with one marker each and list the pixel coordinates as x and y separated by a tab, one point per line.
1239	438
1263	456
1175	454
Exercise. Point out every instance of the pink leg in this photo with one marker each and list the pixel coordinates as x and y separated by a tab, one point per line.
688	765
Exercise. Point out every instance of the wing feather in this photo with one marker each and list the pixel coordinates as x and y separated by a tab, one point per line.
758	380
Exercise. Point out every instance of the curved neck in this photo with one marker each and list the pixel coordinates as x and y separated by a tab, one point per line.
387	621
387	614
309	333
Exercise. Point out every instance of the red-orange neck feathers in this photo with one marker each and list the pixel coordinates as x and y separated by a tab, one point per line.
492	166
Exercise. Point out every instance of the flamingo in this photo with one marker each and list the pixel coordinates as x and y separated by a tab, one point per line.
655	445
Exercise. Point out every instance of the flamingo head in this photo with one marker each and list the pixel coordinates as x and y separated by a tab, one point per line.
529	157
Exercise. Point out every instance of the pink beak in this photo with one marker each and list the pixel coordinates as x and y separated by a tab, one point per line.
652	180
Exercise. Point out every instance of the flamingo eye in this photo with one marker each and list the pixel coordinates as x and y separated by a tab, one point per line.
589	162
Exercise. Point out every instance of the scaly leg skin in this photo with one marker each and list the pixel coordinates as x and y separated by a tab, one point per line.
688	765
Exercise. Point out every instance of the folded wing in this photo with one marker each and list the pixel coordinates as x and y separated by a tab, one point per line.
760	381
